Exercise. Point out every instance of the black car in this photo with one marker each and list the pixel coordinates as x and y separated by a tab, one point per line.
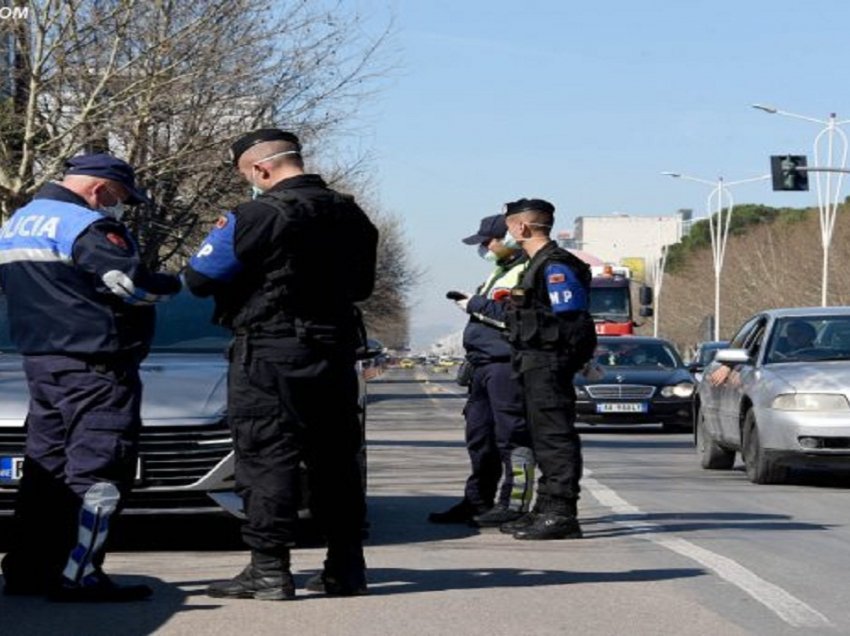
643	381
703	355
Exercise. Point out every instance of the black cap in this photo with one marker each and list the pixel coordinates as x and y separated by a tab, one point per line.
259	136
106	166
492	227
522	205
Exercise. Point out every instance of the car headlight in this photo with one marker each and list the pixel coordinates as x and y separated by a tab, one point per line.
580	392
810	402
682	390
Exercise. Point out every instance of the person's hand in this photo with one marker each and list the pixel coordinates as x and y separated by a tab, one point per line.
719	375
460	298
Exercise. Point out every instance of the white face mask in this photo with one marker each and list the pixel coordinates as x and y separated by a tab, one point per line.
257	190
485	253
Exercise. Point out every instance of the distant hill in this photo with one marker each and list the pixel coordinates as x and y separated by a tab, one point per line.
773	259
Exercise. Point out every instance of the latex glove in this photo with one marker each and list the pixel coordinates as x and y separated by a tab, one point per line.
462	303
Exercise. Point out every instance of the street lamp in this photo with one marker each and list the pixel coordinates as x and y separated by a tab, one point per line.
718	224
657	270
823	170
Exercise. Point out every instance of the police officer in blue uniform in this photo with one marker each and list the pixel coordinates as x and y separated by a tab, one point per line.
286	269
553	336
500	485
80	305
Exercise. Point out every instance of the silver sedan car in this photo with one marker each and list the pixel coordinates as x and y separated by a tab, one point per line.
786	401
185	461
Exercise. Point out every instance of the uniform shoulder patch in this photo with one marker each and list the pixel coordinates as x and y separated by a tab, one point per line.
557	277
117	239
221	222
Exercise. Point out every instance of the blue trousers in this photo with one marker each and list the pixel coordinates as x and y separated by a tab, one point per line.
495	426
82	428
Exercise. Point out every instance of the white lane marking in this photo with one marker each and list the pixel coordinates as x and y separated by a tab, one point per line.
786	606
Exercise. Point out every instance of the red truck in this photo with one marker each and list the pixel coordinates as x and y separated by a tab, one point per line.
611	300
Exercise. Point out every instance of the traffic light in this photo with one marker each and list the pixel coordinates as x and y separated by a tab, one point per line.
786	176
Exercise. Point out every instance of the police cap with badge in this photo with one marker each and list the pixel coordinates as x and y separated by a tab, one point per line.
105	166
245	142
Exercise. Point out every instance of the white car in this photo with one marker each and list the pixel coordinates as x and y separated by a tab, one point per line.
786	401
185	454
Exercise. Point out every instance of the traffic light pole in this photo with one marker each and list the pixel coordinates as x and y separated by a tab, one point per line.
719	221
830	191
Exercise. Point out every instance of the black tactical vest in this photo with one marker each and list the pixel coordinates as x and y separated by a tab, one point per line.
532	324
309	289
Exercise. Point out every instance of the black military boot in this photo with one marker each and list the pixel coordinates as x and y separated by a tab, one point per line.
550	525
267	578
520	523
344	572
495	517
526	520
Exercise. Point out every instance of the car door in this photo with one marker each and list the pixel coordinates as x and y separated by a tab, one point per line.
711	397
733	392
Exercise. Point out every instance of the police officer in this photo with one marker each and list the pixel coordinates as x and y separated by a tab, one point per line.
286	269
497	438
80	305
553	336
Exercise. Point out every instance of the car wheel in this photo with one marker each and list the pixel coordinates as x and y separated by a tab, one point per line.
760	469
711	455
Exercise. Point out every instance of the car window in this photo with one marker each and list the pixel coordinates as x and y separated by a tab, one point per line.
740	337
183	324
624	353
754	338
809	339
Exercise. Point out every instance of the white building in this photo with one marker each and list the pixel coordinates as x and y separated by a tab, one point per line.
623	239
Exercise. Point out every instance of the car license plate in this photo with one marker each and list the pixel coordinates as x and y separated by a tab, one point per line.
11	469
621	407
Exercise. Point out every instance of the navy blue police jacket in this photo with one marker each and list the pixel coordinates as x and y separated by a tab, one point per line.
484	337
74	281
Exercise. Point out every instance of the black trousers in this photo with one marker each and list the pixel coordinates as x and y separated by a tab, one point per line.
291	402
547	382
495	426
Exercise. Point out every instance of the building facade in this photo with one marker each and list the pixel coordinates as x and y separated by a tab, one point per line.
622	239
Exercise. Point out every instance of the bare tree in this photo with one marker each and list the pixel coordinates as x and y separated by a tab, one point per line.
168	84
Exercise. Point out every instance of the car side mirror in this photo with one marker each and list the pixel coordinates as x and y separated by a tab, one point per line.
646	312
732	356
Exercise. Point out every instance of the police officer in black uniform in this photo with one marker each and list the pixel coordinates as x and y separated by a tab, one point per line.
553	336
80	305
286	269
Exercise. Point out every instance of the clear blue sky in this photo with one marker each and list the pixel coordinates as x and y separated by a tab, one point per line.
584	104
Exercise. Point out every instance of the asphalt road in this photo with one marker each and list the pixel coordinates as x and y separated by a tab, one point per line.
669	549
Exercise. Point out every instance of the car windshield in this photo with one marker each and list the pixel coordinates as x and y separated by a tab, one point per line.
182	325
609	301
637	354
809	339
